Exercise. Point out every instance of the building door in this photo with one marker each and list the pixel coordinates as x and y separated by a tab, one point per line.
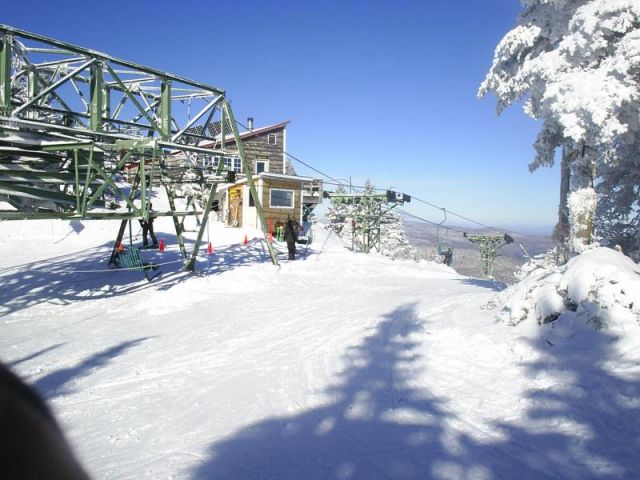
250	213
235	207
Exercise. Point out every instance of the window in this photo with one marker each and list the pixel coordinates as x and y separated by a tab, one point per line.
280	198
231	163
311	189
272	138
262	166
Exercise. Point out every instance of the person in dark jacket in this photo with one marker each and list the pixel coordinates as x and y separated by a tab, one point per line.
147	228
291	237
32	444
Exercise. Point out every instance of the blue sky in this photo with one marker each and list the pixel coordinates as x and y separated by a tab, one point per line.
374	89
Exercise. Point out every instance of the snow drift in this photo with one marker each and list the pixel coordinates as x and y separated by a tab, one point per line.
337	365
600	286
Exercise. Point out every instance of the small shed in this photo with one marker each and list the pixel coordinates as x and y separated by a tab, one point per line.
281	196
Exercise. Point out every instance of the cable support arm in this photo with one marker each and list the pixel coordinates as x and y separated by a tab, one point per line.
337	182
70	48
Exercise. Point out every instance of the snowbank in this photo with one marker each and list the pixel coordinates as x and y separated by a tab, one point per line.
336	365
601	286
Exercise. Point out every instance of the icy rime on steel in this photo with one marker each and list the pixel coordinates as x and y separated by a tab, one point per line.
73	120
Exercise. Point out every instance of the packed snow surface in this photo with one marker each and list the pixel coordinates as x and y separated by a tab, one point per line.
334	366
601	286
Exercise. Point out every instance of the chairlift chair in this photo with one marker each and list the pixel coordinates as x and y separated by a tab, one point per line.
445	251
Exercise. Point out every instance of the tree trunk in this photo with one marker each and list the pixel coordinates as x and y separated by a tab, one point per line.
562	229
582	200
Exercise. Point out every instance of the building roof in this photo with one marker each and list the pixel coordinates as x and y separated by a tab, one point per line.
282	176
267	175
247	134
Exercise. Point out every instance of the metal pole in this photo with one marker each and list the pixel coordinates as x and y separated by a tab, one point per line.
53	86
33	83
252	187
70	48
195	119
165	109
191	263
127	92
5	74
97	102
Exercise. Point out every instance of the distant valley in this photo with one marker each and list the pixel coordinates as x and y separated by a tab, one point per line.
466	256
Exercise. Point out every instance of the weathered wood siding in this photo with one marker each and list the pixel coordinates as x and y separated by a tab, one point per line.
280	214
259	148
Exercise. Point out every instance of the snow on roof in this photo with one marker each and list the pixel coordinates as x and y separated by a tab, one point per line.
284	177
247	134
278	176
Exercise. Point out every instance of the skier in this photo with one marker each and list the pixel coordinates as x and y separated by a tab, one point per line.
147	227
291	237
447	257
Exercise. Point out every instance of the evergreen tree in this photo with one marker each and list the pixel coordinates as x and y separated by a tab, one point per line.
344	217
576	65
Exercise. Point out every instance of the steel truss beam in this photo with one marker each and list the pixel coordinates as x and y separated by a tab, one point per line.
73	121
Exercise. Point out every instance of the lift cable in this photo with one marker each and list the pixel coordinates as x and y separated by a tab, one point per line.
416	217
338	182
297	159
449	212
457	215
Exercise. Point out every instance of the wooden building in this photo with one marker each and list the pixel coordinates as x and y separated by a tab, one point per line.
282	193
281	196
264	148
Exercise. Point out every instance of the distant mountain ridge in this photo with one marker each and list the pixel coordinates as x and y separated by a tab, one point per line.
425	237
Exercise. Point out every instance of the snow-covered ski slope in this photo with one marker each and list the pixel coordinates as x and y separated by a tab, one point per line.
334	366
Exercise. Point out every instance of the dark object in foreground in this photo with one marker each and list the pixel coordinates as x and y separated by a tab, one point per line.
291	237
32	445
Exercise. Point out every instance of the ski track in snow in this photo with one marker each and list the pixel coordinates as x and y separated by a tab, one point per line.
337	365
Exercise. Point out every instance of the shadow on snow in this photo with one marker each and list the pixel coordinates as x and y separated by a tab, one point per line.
86	275
34	355
58	382
376	426
483	283
380	424
584	425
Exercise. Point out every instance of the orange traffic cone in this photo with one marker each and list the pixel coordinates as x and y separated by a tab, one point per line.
209	249
161	246
246	240
120	248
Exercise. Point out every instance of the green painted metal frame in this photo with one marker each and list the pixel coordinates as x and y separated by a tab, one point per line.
367	213
247	171
191	262
95	141
5	74
488	246
97	102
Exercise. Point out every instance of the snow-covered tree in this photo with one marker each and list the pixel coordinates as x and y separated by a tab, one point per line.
617	219
369	187
345	215
289	169
576	66
393	239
